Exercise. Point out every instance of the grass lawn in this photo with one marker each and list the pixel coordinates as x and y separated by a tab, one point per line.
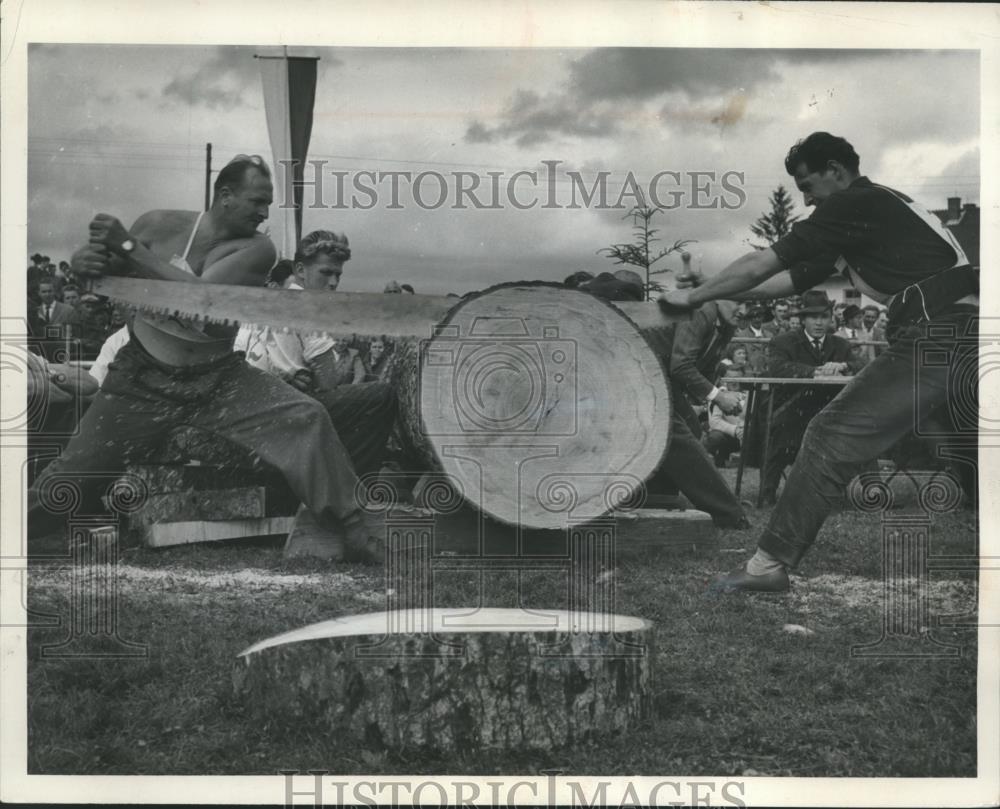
734	693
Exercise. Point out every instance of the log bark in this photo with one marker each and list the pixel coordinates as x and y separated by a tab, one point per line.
472	680
542	405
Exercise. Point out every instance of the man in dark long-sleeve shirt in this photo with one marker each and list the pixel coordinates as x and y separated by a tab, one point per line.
899	254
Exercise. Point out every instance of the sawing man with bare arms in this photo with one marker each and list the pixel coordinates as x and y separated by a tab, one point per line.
174	371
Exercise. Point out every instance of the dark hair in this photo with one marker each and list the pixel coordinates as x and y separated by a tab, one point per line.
322	241
234	174
574	280
71	288
407	288
280	271
819	149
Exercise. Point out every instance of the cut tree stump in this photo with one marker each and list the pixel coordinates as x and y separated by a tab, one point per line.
542	405
455	680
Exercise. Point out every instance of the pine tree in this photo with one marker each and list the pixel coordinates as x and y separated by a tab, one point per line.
772	226
640	253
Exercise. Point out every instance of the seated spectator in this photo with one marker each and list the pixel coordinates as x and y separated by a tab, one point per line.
852	331
809	353
281	274
870	331
378	360
325	368
71	295
738	360
349	367
725	430
781	324
852	323
393	288
55	322
758	318
93	325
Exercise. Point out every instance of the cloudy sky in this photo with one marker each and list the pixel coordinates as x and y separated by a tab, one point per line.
123	129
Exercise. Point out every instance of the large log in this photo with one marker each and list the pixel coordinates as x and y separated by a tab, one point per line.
542	405
454	679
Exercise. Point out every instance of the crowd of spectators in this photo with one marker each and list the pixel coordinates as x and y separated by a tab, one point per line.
65	321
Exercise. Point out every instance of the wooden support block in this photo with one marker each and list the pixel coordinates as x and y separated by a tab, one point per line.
636	532
647	530
212	504
166	534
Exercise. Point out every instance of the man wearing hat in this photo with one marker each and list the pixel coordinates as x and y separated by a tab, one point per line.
899	254
93	325
615	287
758	320
803	354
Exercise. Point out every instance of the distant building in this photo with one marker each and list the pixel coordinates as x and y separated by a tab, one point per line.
962	220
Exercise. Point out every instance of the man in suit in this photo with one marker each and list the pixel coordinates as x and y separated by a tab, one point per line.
55	322
51	311
758	320
811	352
852	331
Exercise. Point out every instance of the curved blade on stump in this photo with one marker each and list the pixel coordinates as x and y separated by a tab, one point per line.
470	680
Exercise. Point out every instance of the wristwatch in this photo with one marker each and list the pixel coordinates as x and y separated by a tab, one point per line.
128	246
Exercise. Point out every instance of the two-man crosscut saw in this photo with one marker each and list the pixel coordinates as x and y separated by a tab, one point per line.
339	314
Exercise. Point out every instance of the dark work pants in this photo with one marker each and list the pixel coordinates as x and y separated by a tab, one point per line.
688	466
142	400
720	445
928	367
779	455
363	416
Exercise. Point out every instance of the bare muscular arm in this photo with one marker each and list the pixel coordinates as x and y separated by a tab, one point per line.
241	262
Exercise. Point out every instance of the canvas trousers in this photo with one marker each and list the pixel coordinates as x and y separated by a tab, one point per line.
928	374
142	400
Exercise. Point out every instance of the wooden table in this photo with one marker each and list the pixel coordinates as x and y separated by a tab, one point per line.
760	383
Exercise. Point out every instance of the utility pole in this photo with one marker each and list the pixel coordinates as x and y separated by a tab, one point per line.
208	174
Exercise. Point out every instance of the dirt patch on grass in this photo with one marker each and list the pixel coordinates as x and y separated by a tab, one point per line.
136	580
835	592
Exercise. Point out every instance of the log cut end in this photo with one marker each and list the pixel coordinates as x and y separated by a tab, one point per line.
543	405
